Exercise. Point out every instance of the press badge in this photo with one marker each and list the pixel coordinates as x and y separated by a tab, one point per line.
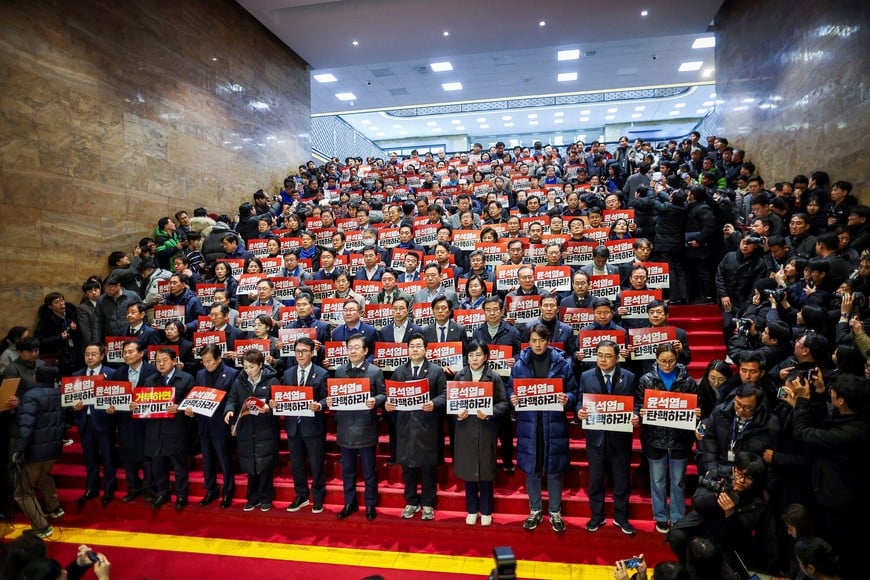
730	456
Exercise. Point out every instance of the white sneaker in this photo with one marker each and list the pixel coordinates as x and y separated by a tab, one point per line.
428	513
485	520
471	519
409	511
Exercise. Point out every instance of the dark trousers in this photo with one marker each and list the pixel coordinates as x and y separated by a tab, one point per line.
677	290
424	477
160	469
97	449
370	476
616	456
391	424
479	497
313	448
505	439
699	276
216	453
261	487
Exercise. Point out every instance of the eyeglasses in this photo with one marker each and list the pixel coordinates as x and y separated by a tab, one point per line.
739	405
302	350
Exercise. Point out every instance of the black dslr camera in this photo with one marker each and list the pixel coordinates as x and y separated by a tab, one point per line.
716	481
777	294
743	326
754	239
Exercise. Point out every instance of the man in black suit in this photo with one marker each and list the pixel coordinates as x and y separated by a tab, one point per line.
445	329
307	435
166	439
357	431
214	433
219	314
608	448
305	319
402	327
96	430
138	329
131	434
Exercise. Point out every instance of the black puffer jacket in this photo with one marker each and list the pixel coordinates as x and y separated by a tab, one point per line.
40	424
761	433
665	438
259	435
670	228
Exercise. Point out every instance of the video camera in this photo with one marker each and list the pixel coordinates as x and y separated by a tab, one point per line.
505	564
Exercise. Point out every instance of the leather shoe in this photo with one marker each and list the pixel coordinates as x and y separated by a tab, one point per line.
209	498
131	495
160	501
370	512
108	497
180	503
347	510
226	502
88	496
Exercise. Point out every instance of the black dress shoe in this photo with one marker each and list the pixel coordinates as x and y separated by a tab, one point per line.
226	502
108	497
347	510
160	501
131	495
88	496
370	512
149	497
209	498
180	503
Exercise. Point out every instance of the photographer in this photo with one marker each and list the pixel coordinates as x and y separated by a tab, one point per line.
728	510
737	272
773	343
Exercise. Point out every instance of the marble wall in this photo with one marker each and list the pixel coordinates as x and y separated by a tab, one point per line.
116	113
792	87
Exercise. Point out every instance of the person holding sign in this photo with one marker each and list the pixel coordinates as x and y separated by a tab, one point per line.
357	431
258	434
307	435
214	435
417	430
542	436
608	448
166	439
476	438
667	448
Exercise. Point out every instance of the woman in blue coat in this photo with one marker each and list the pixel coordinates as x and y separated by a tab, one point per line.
542	436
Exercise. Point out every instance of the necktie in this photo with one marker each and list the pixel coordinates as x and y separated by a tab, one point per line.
389	298
608	385
91	372
416	372
443	334
301	377
166	380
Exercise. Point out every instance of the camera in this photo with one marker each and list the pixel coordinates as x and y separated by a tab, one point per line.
754	239
781	393
505	564
744	325
777	294
715	481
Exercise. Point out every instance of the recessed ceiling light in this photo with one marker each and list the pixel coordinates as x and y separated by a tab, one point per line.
508	124
432	123
691	66
397	126
214	59
673	113
586	112
609	117
644	12
636	115
704	42
441	66
701	111
558	114
325	78
572	54
481	120
564	77
459	128
446	33
640	108
456	122
708	103
533	115
365	122
679	105
533	122
451	86
749	100
484	126
506	118
558	121
542	23
584	119
612	110
345	96
355	43
436	129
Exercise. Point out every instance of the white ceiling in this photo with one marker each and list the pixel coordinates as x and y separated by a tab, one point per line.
498	50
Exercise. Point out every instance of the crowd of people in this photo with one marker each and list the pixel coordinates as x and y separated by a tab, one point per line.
485	268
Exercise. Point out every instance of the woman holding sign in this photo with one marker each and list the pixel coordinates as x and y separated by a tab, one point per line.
542	435
667	448
256	429
476	437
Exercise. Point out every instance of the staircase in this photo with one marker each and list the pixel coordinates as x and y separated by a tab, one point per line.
703	325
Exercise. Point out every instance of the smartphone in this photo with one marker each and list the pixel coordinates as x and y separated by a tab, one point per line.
631	563
92	556
702	428
781	393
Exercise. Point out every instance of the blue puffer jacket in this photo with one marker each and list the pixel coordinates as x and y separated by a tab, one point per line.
40	424
555	427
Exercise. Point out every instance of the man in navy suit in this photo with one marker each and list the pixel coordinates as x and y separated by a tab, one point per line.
307	435
353	325
137	328
445	329
96	430
402	327
305	319
219	314
131	434
608	448
214	433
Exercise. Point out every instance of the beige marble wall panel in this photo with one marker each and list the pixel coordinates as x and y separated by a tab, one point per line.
792	87
113	114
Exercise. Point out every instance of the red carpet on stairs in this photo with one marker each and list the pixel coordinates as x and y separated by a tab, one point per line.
447	535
